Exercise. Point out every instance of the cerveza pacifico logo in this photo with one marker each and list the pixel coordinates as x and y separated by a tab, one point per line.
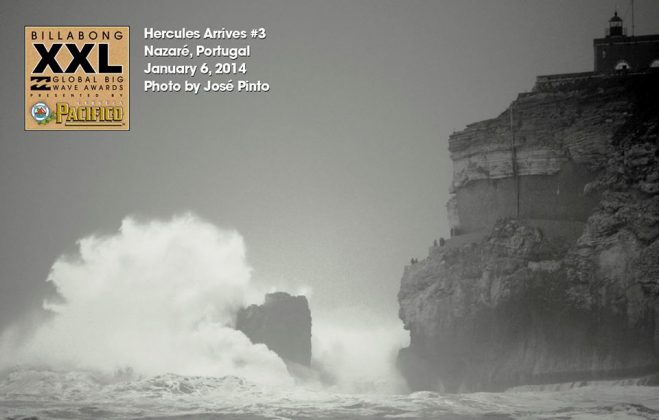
76	77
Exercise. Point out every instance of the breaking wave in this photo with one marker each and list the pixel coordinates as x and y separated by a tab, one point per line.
155	297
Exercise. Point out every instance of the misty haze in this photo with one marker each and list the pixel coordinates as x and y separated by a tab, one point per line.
429	209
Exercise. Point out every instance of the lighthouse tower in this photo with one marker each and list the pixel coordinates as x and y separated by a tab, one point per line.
615	27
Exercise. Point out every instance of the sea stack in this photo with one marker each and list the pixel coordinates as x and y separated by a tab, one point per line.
283	323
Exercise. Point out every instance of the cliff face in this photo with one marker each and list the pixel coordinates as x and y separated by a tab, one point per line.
567	287
283	323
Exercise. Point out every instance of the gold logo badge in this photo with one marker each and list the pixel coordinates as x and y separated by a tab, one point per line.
76	78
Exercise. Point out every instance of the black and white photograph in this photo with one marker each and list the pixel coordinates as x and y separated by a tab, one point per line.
329	209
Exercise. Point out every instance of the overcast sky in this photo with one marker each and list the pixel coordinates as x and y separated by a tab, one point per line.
335	178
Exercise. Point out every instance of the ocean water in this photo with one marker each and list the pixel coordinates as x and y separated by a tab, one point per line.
30	394
161	296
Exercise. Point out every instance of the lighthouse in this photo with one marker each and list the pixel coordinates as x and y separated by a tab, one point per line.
619	53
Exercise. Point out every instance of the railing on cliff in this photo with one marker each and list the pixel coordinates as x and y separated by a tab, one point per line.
550	82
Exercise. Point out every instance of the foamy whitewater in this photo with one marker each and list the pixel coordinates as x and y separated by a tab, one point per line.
32	394
141	327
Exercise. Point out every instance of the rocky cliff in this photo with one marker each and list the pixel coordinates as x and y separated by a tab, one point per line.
283	323
553	274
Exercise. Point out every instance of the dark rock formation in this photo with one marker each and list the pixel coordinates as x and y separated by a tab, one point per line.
567	291
283	323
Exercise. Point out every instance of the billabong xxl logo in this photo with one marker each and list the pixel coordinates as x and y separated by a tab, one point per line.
78	76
